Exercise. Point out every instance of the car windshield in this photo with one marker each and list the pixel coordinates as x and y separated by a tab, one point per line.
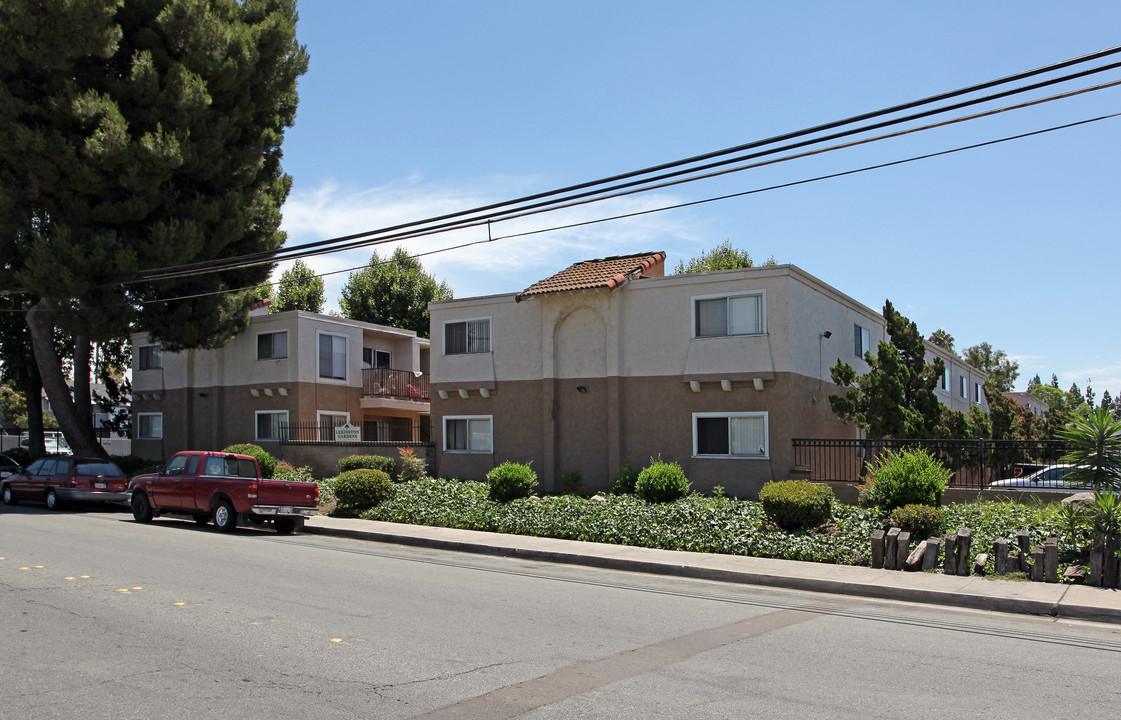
105	469
230	466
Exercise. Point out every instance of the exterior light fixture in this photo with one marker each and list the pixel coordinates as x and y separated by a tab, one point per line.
758	383
254	392
827	334
726	385
695	386
484	392
443	394
463	393
582	388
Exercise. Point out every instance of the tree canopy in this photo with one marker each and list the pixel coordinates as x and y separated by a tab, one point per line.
721	257
1001	371
300	289
393	291
895	398
139	134
942	339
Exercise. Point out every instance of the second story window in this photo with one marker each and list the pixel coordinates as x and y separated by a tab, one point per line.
150	357
962	385
945	384
729	315
978	393
332	356
467	336
272	346
861	341
372	358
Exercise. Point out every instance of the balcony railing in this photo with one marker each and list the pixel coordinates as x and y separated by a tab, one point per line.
398	384
403	433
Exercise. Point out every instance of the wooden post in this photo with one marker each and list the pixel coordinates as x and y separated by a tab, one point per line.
980	563
950	557
965	540
1037	563
930	559
903	549
1000	550
891	549
1023	540
915	559
1051	560
877	549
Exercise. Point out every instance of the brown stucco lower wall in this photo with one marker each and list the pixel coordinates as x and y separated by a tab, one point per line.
558	426
212	418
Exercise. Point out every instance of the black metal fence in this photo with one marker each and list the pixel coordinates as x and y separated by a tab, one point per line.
404	433
975	463
401	384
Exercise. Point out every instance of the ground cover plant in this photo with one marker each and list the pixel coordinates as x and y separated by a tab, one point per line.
701	523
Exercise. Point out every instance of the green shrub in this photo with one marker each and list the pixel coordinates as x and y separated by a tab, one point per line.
661	482
570	481
510	481
266	461
412	467
626	478
133	465
797	504
287	473
362	488
922	521
907	477
368	462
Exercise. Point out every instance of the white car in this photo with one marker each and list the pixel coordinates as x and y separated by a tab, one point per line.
1049	479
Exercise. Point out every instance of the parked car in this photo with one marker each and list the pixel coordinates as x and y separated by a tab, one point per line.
9	466
58	480
1049	479
225	488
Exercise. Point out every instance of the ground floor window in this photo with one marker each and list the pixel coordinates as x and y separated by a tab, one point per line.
271	424
471	434
328	421
149	426
731	434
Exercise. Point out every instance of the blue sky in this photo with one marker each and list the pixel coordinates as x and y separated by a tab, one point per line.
412	109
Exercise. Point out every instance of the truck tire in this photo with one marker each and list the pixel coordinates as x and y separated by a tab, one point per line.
225	517
286	525
141	508
54	502
9	496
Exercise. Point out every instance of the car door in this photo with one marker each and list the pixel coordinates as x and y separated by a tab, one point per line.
23	485
166	492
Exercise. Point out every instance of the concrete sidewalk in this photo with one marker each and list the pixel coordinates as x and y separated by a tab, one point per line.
1056	600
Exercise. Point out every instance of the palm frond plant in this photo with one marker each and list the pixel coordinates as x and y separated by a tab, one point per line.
1094	449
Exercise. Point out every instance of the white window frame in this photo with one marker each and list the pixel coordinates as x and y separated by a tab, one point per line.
963	387
155	353
469	419
945	382
346	357
373	361
257	424
729	415
321	415
761	294
467	331
861	335
271	357
140	426
978	393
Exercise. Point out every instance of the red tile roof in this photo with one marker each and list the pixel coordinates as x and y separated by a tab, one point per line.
611	273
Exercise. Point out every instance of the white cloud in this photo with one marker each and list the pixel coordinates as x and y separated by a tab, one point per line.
509	263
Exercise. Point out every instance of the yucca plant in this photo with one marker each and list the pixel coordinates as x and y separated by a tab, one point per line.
1094	442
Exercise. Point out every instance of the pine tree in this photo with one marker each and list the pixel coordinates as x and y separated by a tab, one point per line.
895	398
138	134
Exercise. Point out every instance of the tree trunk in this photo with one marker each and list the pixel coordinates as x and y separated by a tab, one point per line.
33	392
82	354
78	434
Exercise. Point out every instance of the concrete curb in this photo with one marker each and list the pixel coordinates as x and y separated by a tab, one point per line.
1050	600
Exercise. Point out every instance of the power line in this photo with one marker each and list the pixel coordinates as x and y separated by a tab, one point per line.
467	217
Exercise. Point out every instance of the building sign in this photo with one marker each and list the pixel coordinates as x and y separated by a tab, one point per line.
348	433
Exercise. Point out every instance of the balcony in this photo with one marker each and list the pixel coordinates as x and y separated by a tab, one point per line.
387	383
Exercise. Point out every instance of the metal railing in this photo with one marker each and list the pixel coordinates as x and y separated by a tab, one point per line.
975	463
404	433
399	384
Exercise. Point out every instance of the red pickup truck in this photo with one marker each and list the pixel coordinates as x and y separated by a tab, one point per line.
223	487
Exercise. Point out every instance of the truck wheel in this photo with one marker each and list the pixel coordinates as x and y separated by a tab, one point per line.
53	501
9	497
141	508
201	519
225	517
286	525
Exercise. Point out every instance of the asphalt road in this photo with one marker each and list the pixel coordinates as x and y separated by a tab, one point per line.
106	618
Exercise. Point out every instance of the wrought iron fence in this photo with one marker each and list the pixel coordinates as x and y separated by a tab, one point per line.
975	463
373	432
401	384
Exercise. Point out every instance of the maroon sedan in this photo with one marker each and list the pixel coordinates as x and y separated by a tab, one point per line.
58	479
